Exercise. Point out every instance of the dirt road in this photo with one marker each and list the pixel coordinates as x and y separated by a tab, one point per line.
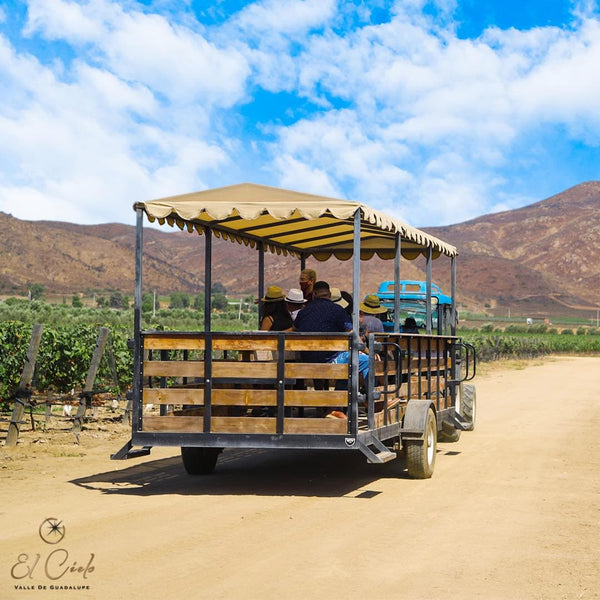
512	512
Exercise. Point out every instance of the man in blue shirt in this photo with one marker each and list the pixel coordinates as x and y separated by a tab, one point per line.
322	315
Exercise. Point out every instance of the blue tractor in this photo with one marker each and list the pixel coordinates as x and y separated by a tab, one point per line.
413	304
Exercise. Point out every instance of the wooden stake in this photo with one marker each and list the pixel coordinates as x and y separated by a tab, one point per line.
26	377
103	334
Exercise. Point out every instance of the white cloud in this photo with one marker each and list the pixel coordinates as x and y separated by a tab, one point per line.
144	104
172	60
293	17
59	20
297	175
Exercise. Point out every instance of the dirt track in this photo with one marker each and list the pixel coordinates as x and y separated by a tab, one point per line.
512	511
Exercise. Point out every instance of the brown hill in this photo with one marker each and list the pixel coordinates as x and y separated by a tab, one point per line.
538	260
545	254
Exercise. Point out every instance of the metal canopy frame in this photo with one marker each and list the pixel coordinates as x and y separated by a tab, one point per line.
286	222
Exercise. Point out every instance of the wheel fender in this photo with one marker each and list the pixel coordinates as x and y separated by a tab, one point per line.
415	419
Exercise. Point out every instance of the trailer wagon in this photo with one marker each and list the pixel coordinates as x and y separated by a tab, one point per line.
253	389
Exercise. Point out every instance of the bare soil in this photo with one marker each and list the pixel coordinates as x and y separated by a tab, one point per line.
512	510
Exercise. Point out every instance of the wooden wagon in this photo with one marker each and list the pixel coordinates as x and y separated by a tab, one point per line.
253	389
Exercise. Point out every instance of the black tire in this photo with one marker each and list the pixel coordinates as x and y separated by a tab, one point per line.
199	461
468	406
420	454
448	433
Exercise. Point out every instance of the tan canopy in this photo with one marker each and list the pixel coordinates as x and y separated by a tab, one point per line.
288	222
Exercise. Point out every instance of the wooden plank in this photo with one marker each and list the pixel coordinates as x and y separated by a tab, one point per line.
307	342
243	425
172	396
425	388
173	368
173	342
250	370
173	423
331	398
219	397
245	397
195	368
319	426
245	343
316	371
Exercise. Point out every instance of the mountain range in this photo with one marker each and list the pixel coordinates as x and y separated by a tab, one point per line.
538	260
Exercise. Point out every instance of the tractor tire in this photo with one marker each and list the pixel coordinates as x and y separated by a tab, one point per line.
448	433
468	406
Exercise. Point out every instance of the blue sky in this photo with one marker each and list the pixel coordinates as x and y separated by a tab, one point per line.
433	111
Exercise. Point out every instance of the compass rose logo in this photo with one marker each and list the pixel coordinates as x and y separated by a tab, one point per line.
52	530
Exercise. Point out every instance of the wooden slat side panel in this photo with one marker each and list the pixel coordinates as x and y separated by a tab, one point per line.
316	371
245	343
173	368
243	425
173	343
245	397
307	342
331	398
173	396
173	423
425	387
380	367
249	370
195	368
319	426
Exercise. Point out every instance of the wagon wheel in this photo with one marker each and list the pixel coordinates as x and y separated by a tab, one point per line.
420	454
199	461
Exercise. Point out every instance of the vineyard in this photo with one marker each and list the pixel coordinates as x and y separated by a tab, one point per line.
69	338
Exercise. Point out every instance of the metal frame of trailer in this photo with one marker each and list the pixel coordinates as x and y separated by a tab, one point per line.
221	390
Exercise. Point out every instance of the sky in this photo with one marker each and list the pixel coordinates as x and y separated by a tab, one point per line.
435	112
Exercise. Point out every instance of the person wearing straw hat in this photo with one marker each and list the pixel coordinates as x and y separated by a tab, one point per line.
343	299
275	315
370	313
294	302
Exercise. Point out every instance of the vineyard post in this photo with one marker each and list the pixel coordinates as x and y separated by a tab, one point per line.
22	391
91	377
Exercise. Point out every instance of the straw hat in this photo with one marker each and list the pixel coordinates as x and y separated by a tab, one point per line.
274	294
372	305
336	296
295	296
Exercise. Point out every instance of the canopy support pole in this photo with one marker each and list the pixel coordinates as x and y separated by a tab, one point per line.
454	312
261	279
356	272
137	318
397	257
207	279
428	318
354	388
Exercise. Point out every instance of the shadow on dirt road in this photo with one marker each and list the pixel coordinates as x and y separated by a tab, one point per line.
327	473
